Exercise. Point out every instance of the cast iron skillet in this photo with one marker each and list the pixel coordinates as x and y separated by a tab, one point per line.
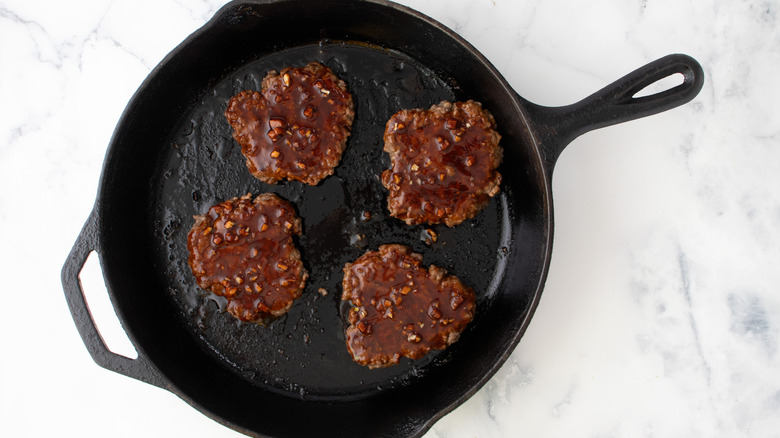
171	156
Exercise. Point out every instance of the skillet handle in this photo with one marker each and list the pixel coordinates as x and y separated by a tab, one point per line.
556	127
139	368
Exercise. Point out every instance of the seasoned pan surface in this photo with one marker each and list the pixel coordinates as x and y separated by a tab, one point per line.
303	352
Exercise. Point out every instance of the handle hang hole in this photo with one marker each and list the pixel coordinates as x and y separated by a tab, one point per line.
661	85
102	311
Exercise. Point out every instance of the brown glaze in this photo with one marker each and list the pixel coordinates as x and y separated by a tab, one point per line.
400	308
296	128
243	250
444	163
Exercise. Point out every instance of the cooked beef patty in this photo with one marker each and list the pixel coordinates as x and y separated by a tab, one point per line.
400	308
444	163
243	250
296	127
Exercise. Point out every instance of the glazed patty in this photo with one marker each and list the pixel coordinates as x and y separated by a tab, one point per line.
443	163
243	250
400	308
296	128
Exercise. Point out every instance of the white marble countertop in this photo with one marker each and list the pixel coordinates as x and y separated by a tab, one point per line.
661	313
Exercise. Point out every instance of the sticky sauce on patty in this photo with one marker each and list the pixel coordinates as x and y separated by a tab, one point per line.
401	309
444	162
296	128
243	250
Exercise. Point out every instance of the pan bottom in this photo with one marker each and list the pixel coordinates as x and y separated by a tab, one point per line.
303	353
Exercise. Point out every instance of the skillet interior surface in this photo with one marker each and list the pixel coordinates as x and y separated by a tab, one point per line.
172	156
304	350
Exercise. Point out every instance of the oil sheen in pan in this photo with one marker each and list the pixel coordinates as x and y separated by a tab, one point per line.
303	352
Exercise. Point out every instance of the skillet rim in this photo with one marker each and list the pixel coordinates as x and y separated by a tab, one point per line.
517	107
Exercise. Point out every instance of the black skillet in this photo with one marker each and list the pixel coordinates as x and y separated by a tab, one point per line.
172	156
